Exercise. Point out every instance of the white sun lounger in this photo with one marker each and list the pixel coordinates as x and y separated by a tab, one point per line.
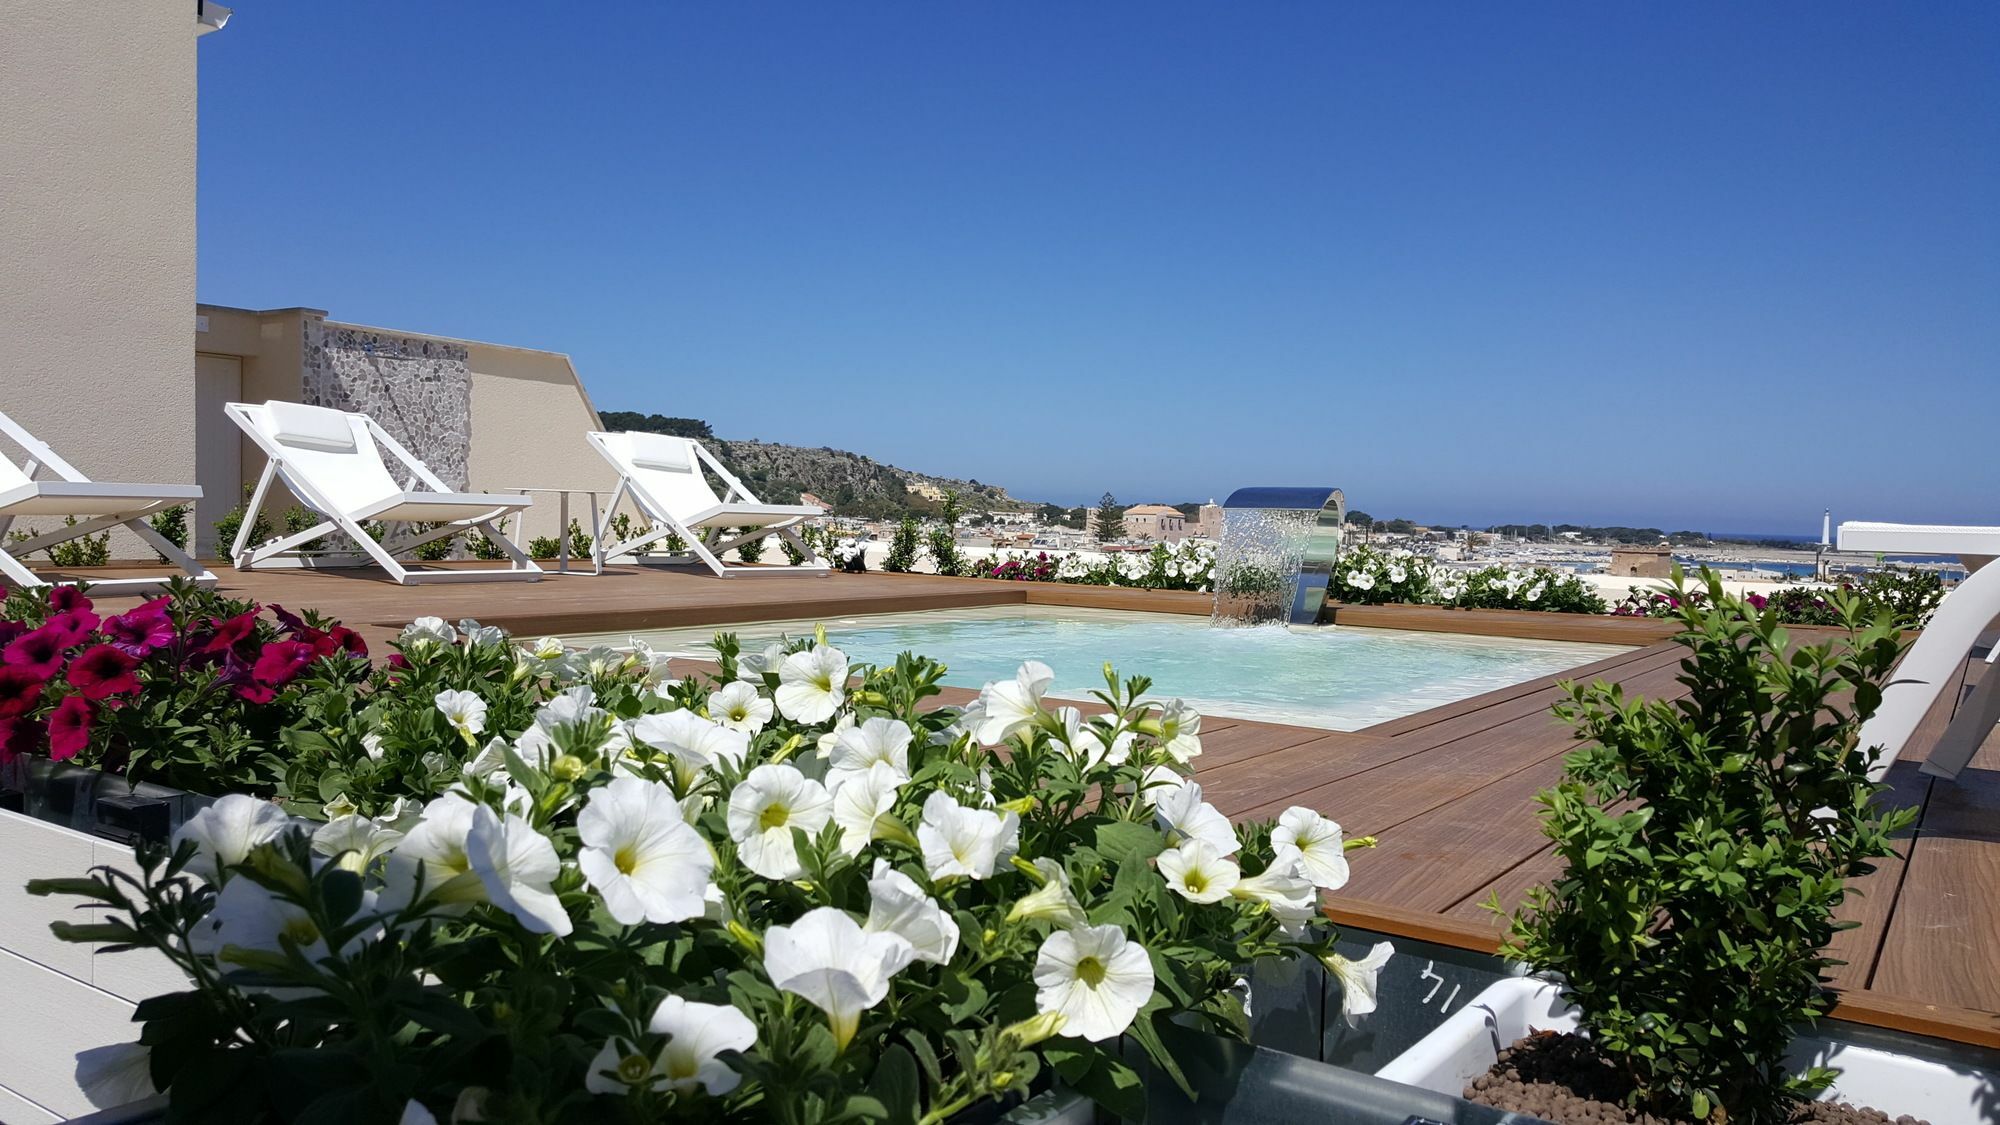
332	461
663	477
1956	631
95	505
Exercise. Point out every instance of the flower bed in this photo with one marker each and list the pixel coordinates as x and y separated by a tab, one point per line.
1908	597
190	690
554	885
1185	566
1367	576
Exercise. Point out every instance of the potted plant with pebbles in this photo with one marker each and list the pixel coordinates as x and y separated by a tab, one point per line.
1708	843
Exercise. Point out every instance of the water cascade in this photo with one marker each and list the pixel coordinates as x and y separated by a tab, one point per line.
1277	553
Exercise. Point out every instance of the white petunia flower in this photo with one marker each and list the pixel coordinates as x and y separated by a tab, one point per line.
371	745
429	630
831	962
227	830
753	667
765	807
1180	731
1053	901
740	707
516	865
697	1034
1183	815
417	1113
861	801
115	1075
1082	744
1197	872
464	710
249	917
355	842
694	743
1317	843
877	740
1094	978
640	854
812	685
960	841
1284	888
477	634
896	905
571	707
1357	979
1006	706
1158	781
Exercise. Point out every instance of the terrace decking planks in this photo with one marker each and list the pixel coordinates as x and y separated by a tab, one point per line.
1450	790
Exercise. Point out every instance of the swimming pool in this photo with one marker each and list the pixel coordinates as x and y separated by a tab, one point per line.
1337	678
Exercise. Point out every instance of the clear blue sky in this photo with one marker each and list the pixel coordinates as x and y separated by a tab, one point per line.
1710	265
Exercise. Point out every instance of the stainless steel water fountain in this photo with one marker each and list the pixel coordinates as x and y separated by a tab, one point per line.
1279	547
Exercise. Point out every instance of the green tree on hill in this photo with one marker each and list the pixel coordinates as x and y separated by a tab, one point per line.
616	420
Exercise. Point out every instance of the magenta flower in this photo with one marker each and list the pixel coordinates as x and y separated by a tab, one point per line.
20	736
75	626
228	634
69	728
142	630
64	599
40	651
103	671
20	690
281	662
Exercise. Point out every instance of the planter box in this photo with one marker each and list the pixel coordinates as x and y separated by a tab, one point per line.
63	997
1941	1083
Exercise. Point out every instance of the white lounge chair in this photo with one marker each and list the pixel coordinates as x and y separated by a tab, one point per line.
663	477
95	505
332	462
1955	632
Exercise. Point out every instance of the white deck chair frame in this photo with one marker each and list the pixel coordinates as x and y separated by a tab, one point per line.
704	528
454	511
1933	664
97	506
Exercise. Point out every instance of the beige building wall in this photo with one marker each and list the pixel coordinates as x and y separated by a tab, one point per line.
529	415
97	238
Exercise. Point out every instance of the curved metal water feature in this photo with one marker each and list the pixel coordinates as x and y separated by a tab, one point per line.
1279	546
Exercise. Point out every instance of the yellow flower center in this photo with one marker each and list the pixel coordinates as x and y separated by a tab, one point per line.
625	859
1195	881
1090	971
634	1069
301	931
681	1064
774	816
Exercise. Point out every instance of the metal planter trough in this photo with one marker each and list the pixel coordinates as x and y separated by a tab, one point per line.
58	821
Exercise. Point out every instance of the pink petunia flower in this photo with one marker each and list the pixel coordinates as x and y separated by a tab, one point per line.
228	634
142	630
69	728
281	662
20	690
19	736
40	651
64	599
103	671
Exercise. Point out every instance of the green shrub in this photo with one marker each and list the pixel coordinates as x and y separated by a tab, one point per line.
1708	842
483	548
902	547
172	525
581	546
544	547
437	550
84	550
752	551
232	521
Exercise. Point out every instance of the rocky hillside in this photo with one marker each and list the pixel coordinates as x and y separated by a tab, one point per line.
855	485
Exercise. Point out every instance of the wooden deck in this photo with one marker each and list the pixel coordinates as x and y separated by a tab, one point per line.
1449	791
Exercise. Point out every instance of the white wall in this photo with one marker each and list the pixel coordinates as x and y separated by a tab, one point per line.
97	253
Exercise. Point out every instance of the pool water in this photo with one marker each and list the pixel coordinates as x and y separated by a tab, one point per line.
1338	678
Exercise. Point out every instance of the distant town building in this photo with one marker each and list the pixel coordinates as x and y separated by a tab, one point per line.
1643	562
1156	522
1207	522
809	498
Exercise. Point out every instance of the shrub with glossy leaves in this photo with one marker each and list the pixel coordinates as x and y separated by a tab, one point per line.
1708	842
